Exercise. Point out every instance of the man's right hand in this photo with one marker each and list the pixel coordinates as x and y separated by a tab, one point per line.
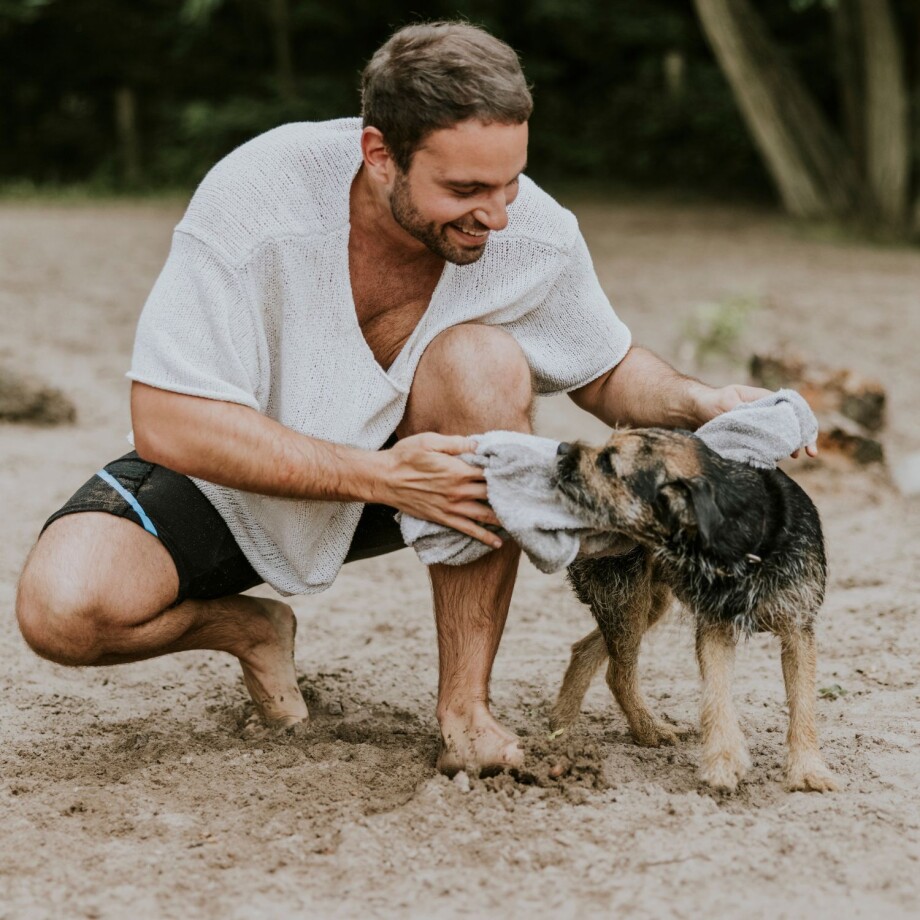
425	477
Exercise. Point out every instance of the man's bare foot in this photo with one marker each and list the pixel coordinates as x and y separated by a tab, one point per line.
268	670
473	741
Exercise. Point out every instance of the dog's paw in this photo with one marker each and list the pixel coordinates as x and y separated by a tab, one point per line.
723	770
809	775
658	733
563	716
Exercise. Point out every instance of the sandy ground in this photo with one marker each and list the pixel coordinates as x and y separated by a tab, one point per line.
136	791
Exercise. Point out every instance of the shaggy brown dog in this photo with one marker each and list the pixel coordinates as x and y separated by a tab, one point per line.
740	547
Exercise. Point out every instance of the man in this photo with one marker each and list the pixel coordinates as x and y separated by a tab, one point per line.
332	291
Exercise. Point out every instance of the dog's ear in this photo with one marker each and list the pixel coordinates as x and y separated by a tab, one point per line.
709	517
692	502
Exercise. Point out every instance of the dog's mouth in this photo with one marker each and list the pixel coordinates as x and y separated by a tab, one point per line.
568	480
581	500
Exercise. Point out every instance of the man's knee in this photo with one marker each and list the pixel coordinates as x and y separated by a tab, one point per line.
59	615
481	367
486	355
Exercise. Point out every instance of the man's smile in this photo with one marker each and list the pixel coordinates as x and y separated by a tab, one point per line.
478	235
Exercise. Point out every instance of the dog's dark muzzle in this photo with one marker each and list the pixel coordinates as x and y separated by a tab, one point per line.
566	464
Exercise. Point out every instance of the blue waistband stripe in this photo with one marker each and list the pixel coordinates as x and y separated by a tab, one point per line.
130	499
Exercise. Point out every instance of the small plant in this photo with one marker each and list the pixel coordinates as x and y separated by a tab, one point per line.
833	692
715	329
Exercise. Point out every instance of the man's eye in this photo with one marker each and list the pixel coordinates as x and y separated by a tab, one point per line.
464	193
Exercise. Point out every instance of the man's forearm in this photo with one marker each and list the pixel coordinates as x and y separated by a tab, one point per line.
644	391
235	446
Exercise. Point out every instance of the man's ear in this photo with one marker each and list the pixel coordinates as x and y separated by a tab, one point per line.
377	158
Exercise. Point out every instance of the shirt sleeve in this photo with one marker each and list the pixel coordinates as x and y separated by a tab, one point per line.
573	335
196	333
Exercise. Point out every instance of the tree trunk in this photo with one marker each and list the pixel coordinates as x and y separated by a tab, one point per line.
849	54
916	111
126	131
887	123
812	169
279	13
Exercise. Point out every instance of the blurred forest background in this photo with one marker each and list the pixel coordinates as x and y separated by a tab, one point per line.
812	103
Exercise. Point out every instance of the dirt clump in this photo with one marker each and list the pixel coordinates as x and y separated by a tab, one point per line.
25	401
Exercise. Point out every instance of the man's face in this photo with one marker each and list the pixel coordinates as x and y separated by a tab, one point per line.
458	187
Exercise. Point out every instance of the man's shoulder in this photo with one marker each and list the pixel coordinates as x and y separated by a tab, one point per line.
535	217
292	180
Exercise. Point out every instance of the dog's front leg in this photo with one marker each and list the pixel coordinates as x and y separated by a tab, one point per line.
725	757
623	679
805	768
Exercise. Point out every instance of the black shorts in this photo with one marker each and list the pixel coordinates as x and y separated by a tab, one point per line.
172	508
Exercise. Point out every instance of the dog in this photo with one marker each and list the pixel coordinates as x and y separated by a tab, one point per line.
738	546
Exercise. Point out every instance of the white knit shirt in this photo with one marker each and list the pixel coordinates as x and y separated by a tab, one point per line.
254	306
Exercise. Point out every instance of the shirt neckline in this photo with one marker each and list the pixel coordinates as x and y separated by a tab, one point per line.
396	375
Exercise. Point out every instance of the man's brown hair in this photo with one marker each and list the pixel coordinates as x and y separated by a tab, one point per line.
432	75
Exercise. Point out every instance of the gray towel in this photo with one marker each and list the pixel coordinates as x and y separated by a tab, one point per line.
762	432
519	472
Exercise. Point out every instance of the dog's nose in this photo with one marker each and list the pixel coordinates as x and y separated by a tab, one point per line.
563	449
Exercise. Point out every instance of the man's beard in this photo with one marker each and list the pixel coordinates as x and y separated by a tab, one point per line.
408	216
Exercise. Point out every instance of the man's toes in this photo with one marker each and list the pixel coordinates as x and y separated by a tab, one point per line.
482	755
513	755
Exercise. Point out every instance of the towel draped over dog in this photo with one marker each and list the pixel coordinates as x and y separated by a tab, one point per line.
519	470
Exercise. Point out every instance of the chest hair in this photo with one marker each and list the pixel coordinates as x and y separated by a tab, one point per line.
390	300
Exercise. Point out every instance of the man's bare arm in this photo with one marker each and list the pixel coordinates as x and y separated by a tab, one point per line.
643	391
235	446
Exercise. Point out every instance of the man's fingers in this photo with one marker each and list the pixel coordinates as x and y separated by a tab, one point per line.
449	444
477	491
477	511
752	394
471	529
810	449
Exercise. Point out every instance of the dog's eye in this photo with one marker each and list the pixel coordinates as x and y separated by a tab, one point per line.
604	464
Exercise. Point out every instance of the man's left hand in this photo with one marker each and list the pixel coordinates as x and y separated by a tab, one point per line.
712	402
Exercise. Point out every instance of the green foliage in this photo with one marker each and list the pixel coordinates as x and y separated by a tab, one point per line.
716	329
204	77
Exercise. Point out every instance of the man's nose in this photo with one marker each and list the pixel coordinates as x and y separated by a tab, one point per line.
495	214
563	449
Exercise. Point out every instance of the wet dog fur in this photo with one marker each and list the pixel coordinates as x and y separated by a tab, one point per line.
741	548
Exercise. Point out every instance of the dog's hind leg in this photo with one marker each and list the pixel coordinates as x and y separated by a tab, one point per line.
805	768
725	757
588	655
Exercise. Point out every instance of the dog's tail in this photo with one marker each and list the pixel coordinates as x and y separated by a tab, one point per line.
588	655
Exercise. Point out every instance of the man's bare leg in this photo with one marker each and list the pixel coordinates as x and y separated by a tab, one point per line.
471	379
96	590
471	605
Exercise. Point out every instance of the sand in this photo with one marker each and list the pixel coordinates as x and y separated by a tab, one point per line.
143	791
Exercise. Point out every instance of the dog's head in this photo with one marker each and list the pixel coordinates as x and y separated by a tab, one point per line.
652	484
